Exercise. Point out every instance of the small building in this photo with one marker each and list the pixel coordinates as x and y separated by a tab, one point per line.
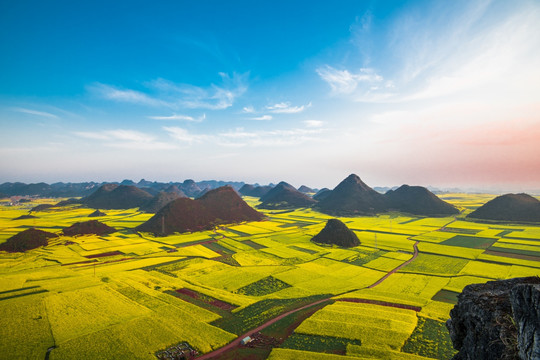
245	340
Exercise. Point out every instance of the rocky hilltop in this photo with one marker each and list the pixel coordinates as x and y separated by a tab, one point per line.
27	240
418	200
219	206
497	320
112	196
509	207
335	232
352	196
88	227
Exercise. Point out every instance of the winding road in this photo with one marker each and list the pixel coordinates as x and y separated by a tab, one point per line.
236	342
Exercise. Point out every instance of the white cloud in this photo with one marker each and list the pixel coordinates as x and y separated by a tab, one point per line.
278	138
184	135
262	118
313	123
248	109
127	139
164	93
179	117
35	112
286	108
346	82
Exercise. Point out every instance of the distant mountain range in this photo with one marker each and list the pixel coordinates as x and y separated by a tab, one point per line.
60	189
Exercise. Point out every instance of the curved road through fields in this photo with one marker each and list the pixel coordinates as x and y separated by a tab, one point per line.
236	342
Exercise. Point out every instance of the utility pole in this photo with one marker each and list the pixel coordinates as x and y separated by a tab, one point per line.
376	242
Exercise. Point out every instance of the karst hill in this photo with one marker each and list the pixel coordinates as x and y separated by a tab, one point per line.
353	197
219	206
285	196
509	207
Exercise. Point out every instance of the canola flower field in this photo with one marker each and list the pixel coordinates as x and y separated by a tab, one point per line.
129	295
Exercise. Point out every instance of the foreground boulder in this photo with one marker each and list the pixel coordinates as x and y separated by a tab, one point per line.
497	320
219	206
337	233
88	227
27	240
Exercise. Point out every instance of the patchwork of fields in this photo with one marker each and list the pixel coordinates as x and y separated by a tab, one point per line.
129	295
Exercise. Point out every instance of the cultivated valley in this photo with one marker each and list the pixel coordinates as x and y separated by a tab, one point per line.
229	277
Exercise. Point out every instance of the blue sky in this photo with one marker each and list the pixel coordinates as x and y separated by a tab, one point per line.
442	93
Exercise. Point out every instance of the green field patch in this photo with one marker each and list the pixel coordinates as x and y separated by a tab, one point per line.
237	232
220	249
460	230
473	242
435	264
30	290
256	314
254	245
514	253
197	298
409	221
311	252
265	286
431	339
446	296
227	259
319	343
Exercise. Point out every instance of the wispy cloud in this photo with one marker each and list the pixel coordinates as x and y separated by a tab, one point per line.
286	108
164	93
34	112
183	135
128	139
262	118
313	123
271	138
346	82
179	117
248	109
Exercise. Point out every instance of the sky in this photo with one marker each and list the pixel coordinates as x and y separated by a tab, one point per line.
431	93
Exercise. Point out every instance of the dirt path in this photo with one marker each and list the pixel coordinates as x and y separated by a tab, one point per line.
415	246
236	341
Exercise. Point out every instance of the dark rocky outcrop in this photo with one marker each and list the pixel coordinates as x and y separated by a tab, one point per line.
159	201
24	217
497	320
27	240
219	206
112	196
509	207
335	232
88	227
41	207
351	197
97	213
285	196
418	200
525	299
71	201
